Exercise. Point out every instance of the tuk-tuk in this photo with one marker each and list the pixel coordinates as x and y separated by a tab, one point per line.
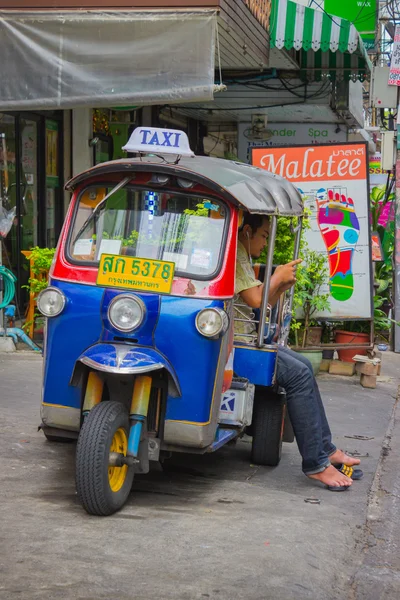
140	356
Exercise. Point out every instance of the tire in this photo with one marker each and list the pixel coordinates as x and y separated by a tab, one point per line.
101	489
267	429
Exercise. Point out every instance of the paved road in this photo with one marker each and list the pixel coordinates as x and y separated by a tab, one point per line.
378	574
204	527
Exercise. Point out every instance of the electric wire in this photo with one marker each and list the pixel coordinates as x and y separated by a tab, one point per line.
327	14
234	109
322	92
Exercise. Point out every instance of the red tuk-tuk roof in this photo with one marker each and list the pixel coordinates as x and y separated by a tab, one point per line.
250	188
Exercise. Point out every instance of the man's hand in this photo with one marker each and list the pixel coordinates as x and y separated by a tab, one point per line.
283	279
286	274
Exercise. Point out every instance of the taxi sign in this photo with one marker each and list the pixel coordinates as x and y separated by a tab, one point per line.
158	140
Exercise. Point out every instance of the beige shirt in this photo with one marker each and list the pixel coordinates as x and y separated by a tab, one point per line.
245	279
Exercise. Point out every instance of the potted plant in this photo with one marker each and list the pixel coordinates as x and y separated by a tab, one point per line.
40	260
312	275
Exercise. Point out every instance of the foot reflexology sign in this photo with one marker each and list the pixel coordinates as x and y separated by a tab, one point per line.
333	180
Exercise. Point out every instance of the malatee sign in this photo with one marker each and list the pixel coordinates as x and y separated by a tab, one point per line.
322	163
333	181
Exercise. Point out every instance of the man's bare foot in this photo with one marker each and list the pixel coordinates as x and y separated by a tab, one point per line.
332	477
339	457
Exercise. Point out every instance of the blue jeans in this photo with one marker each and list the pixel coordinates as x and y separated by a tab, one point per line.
306	411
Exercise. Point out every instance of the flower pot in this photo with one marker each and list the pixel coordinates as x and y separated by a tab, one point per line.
313	337
314	356
353	338
328	354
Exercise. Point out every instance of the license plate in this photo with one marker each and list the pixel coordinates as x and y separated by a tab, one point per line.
128	272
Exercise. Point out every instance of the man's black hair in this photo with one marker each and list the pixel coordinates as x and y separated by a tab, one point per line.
255	221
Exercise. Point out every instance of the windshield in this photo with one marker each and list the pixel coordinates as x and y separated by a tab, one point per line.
181	228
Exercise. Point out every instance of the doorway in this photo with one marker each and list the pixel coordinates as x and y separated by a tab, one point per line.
30	182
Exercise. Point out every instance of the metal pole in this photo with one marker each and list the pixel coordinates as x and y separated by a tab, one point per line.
286	314
267	281
296	252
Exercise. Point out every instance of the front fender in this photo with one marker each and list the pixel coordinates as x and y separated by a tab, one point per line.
122	359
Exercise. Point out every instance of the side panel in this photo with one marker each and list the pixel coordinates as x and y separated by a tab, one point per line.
258	366
77	328
199	364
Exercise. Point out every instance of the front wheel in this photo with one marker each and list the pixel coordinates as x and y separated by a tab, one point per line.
267	429
103	489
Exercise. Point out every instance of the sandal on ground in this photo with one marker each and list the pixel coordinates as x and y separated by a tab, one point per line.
337	488
354	474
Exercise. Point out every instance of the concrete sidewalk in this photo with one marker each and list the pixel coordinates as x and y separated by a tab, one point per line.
209	526
377	575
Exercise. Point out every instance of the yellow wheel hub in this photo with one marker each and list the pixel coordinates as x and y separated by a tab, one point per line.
117	475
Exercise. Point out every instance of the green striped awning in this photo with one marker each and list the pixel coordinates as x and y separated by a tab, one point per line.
328	44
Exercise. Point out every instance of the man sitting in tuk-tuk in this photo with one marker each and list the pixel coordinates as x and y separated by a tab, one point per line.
321	459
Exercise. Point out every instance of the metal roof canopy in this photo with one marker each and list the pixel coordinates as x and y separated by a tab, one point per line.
253	189
67	59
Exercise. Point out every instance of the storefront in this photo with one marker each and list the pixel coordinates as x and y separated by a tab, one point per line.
31	181
59	60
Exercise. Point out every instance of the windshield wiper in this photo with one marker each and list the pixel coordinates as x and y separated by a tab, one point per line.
100	204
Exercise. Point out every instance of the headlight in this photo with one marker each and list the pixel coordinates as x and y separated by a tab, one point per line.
51	302
126	313
212	322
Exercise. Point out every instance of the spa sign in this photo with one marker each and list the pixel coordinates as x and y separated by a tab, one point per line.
333	181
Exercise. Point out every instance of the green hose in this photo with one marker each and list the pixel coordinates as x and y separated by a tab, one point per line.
9	280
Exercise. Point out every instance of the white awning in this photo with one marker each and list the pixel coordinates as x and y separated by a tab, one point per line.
57	60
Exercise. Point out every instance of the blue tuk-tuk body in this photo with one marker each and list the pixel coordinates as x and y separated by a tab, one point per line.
140	358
